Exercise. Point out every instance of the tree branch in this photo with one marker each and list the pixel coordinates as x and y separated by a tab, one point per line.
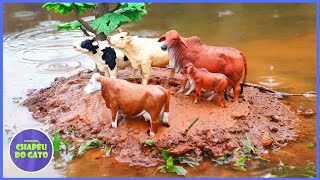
116	7
84	23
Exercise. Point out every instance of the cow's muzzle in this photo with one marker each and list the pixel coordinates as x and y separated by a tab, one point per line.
164	47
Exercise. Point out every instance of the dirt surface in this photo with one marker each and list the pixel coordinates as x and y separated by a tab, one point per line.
64	105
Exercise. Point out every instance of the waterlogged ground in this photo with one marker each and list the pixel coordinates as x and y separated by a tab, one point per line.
277	39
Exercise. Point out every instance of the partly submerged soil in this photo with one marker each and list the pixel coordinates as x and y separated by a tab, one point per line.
64	105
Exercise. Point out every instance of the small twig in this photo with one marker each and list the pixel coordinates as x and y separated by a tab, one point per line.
281	94
190	126
83	22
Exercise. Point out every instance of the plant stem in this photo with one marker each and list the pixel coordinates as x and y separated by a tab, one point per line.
190	126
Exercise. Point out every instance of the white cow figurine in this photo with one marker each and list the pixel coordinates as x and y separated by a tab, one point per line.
106	58
143	53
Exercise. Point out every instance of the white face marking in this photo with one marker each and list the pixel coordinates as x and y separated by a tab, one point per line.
93	84
165	117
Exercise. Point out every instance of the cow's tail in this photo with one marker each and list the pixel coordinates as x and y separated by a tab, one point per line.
165	118
245	72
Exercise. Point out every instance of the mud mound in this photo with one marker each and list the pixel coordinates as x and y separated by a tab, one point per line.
268	122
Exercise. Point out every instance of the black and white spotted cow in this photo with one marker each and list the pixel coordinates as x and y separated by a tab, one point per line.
106	58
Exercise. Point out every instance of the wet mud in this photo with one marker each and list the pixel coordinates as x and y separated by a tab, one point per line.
64	105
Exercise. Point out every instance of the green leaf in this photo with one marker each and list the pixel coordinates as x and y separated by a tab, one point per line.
93	142
150	143
134	11
247	143
108	150
190	161
65	8
178	169
311	145
108	22
170	162
162	169
56	141
239	168
240	161
165	154
263	159
49	5
69	25
65	142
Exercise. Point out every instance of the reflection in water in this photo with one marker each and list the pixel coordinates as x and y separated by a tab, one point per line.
269	81
277	39
57	66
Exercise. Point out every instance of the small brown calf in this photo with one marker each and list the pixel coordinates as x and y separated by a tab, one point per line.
202	78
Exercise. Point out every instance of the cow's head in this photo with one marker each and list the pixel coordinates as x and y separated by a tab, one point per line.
120	40
170	38
94	84
189	68
86	45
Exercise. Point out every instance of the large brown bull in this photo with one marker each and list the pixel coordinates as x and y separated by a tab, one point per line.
225	60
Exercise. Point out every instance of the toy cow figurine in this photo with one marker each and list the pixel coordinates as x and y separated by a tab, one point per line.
143	53
202	78
151	101
225	60
106	58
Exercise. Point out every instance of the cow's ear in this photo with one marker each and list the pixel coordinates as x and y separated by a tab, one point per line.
183	42
162	38
128	38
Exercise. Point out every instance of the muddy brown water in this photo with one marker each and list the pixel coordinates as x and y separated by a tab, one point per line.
277	39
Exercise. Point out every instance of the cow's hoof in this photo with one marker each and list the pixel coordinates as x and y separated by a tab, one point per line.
114	124
186	94
165	124
150	133
195	102
180	91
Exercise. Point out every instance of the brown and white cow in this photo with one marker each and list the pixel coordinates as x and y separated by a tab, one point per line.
225	60
151	101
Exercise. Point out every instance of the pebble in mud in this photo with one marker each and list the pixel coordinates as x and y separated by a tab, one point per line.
216	131
266	141
307	113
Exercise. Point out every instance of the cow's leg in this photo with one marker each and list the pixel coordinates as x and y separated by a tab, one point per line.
212	96
114	112
220	99
198	92
113	72
184	81
193	87
145	68
236	91
134	73
172	73
154	125
106	72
